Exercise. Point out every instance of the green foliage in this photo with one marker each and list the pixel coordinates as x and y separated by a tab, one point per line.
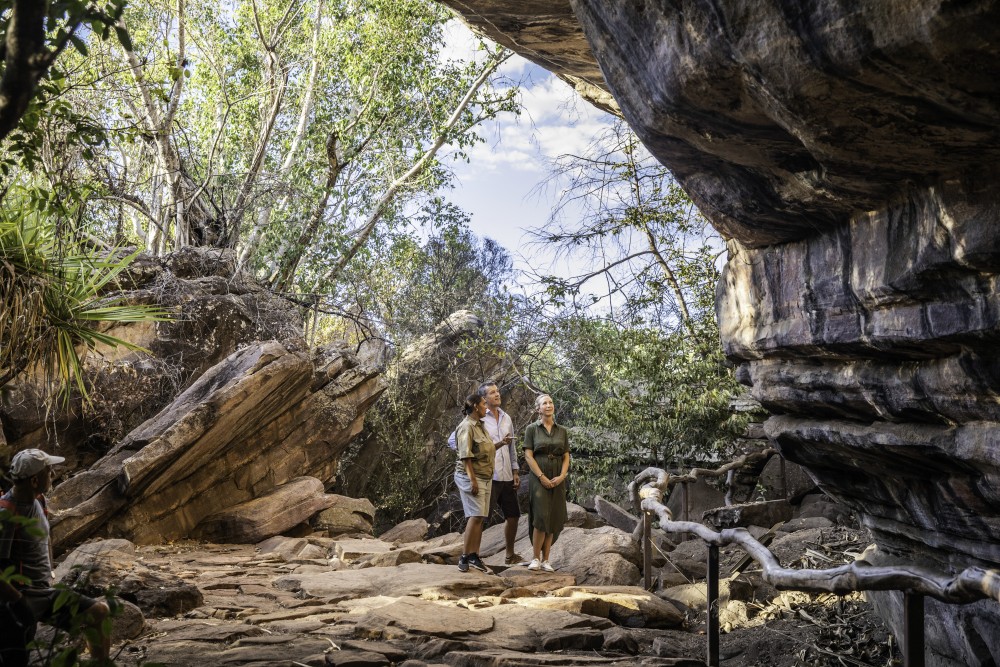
288	130
410	285
39	86
637	367
405	482
55	292
407	291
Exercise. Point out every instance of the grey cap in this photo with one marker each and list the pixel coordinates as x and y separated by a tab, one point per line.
30	462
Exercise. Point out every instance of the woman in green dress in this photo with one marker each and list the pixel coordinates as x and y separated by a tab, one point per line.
546	450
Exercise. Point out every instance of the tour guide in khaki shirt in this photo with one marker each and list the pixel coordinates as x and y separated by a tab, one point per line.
506	472
473	477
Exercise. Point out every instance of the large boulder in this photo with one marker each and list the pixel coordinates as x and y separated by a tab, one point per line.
215	311
260	418
604	556
849	152
97	567
280	509
346	515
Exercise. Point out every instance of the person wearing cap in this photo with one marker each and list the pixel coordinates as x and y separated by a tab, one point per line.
30	553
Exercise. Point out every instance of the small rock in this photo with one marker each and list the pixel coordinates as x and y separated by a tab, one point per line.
578	640
749	514
615	515
619	639
389	559
352	550
413	530
346	515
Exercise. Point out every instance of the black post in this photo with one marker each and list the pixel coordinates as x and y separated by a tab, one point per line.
713	606
913	629
684	509
685	504
647	549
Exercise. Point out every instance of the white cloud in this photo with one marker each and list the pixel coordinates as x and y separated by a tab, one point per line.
501	184
554	121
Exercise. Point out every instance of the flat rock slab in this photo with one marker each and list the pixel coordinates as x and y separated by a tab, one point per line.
413	530
420	617
394	652
537	581
350	550
630	606
356	658
206	632
501	658
523	628
411	579
292	548
292	650
270	514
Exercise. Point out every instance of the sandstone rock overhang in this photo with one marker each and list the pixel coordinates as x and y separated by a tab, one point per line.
780	119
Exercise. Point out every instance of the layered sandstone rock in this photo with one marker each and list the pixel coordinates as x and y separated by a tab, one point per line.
849	150
214	311
257	420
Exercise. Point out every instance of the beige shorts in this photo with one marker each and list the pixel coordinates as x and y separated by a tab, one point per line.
474	504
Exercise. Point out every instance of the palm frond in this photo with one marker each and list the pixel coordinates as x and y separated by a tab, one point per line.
54	296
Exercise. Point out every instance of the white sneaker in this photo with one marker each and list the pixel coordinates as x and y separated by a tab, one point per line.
547	567
534	564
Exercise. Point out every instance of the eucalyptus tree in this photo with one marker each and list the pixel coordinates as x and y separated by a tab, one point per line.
295	132
648	251
634	351
33	34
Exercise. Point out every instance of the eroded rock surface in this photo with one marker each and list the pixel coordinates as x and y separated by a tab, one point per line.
849	151
260	418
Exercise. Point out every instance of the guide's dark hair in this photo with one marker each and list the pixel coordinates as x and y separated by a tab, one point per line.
471	401
484	388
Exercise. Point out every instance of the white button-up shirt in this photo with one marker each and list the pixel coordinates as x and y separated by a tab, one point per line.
499	426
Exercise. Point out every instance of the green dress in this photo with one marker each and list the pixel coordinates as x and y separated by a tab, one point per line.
547	507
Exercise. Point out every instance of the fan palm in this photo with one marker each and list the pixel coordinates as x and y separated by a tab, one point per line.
54	298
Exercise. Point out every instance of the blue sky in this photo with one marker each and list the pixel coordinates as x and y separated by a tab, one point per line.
500	186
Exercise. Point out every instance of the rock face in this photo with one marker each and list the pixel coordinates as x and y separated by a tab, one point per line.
849	152
545	32
262	417
216	311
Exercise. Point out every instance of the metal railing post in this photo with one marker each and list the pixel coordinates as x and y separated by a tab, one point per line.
684	508
685	503
913	629
647	549
713	606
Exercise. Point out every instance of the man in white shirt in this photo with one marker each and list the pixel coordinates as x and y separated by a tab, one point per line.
506	477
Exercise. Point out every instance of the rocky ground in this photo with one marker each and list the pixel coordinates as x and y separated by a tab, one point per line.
357	600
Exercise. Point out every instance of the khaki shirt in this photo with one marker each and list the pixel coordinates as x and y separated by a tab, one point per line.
473	442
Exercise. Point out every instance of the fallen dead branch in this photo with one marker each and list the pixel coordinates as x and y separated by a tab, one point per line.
663	480
969	585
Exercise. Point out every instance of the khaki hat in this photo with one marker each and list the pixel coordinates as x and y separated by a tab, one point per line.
30	462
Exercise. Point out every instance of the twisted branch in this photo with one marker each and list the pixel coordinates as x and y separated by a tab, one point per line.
969	585
663	480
